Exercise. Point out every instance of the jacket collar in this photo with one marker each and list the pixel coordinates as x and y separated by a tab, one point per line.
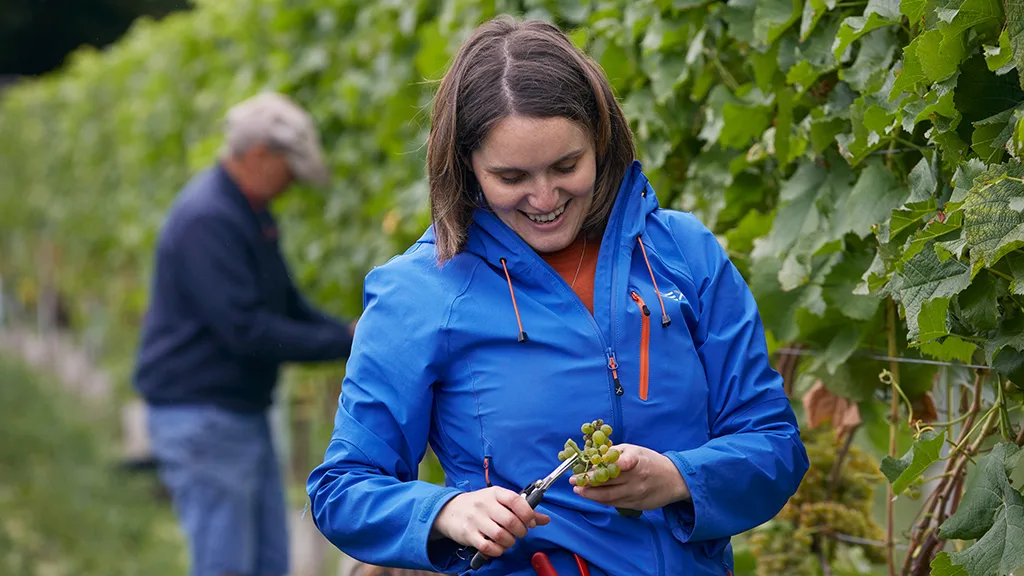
491	239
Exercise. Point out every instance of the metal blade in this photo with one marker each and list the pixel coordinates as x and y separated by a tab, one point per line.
562	468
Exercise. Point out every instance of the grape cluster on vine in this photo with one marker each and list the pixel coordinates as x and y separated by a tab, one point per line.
597	455
821	508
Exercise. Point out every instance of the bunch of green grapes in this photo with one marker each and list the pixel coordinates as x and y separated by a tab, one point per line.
597	455
782	549
819	509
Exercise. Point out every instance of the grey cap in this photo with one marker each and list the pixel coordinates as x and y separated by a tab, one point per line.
275	120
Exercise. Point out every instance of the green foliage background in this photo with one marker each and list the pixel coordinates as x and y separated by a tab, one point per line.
846	153
64	509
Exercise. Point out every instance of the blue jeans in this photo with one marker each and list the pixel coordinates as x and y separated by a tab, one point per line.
222	473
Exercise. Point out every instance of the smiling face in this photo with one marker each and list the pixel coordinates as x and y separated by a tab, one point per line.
537	175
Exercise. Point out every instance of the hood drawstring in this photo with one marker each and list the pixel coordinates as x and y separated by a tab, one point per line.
665	320
522	333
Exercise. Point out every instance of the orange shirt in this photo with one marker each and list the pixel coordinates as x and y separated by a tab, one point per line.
577	256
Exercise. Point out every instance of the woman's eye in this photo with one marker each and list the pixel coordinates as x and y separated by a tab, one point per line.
512	180
566	169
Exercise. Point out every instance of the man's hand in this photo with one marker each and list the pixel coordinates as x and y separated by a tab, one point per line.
647	480
489	520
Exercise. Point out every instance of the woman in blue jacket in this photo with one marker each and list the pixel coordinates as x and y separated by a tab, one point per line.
550	291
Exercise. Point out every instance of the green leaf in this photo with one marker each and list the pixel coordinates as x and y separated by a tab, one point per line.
922	182
913	10
991	228
935	230
939	53
949	349
964	177
991	511
1010	363
1015	261
765	65
1015	33
909	215
977	306
910	73
841	283
875	195
933	320
773	17
823	132
916	461
999	58
925	278
999	552
874	57
813	11
1009	336
991	135
739	15
877	13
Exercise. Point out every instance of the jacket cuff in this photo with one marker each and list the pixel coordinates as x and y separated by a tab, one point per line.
686	518
442	555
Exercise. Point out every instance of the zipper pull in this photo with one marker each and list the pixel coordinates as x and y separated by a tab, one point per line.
643	305
614	367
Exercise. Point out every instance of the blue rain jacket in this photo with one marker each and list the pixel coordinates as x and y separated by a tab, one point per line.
437	359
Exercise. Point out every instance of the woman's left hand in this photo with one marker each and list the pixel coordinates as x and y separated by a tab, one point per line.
647	480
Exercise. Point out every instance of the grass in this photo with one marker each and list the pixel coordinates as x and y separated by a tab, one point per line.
64	506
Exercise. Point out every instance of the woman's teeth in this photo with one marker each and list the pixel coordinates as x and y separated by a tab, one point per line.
550	216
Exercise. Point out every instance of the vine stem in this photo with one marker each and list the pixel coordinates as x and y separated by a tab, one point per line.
945	498
894	406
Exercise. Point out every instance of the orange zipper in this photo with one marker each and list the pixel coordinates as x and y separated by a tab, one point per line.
645	342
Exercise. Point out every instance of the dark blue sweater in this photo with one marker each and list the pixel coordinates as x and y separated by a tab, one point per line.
224	313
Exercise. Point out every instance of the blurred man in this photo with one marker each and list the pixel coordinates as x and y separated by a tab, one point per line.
224	315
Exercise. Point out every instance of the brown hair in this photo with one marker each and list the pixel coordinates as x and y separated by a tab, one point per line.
532	69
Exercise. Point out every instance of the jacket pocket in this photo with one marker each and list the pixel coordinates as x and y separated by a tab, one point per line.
645	343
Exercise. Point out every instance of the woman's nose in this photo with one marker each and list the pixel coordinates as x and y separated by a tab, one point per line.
544	197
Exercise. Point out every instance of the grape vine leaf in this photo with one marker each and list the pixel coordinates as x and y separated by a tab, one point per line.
813	11
1015	33
842	282
1010	335
933	320
940	54
991	135
999	58
992	229
908	215
877	13
950	348
977	306
935	230
872	198
909	73
964	177
773	17
925	277
922	181
924	452
875	56
913	10
991	511
1016	262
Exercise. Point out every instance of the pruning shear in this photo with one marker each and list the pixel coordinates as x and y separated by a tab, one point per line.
533	494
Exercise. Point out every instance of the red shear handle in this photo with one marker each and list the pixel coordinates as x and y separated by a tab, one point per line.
542	565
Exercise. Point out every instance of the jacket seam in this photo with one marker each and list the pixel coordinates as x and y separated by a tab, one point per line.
448	352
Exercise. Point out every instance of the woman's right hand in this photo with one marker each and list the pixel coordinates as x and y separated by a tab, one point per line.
489	520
